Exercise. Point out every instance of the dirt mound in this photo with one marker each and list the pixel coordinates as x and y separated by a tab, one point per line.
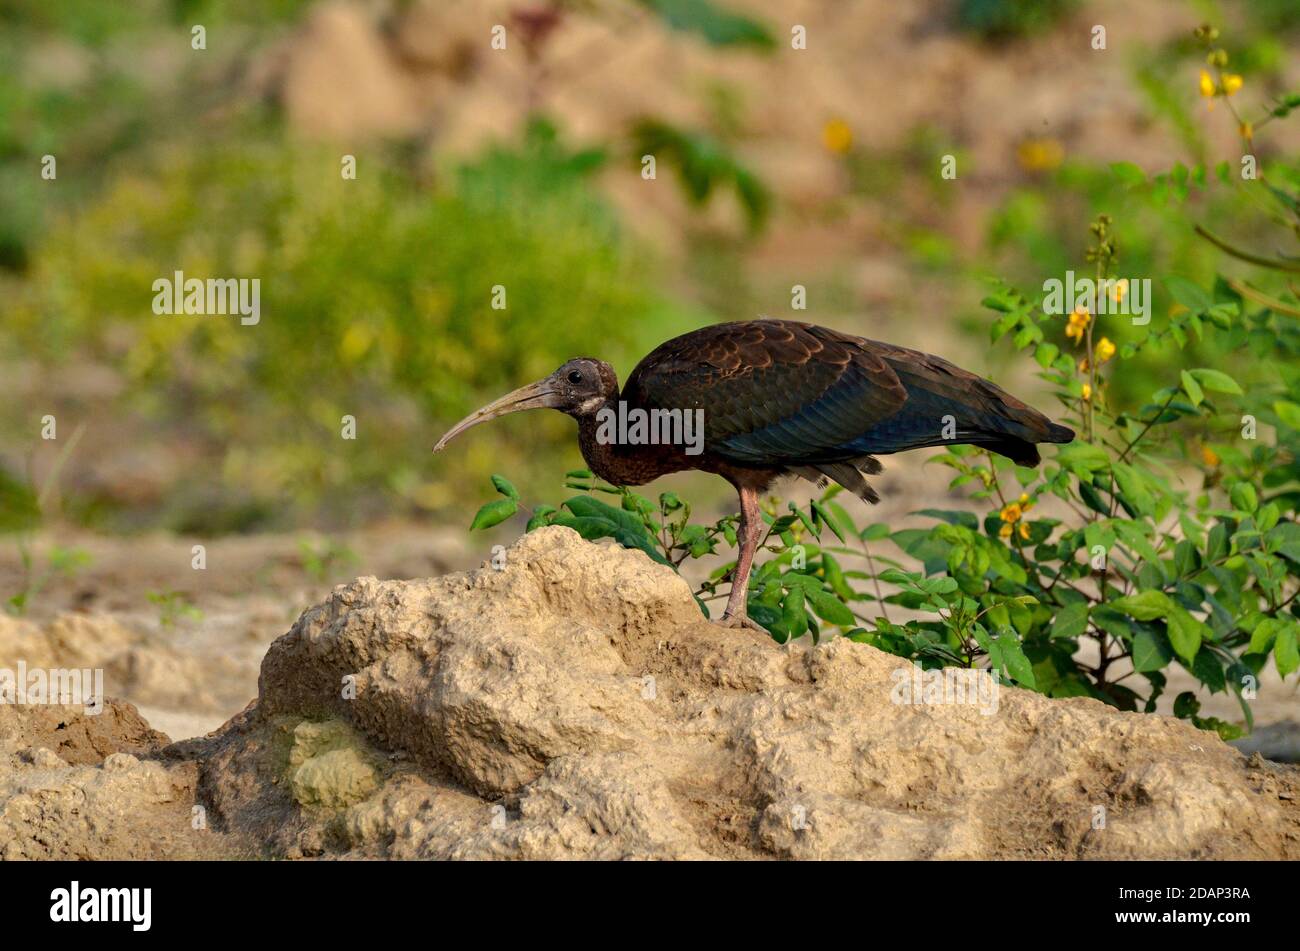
79	786
76	737
574	704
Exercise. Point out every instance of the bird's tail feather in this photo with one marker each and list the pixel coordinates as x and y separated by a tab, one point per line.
848	474
1058	433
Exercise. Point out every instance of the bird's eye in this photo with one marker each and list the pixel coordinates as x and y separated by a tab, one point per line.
575	376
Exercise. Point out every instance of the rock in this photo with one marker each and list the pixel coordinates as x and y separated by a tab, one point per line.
95	798
328	766
575	704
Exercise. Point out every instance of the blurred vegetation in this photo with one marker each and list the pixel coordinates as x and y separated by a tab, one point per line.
376	292
376	302
1003	19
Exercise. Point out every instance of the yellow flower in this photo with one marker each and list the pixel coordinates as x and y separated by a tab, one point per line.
1209	456
1083	365
1079	321
1207	84
1008	527
1087	391
1231	83
837	136
1011	512
1040	155
1247	131
1104	350
1119	289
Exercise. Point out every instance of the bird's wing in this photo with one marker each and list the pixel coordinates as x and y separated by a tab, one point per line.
773	391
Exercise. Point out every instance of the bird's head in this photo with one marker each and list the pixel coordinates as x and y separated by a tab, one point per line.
579	388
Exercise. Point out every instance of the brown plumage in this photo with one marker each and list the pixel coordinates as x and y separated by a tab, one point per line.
779	398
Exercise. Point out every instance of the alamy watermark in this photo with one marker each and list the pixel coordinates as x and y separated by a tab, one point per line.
57	685
131	905
946	686
651	427
191	295
1119	296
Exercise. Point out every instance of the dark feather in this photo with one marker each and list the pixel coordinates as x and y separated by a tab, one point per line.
810	400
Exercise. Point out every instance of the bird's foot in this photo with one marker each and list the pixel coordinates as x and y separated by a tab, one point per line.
742	620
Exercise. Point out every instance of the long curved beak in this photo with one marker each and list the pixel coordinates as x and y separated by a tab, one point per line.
540	395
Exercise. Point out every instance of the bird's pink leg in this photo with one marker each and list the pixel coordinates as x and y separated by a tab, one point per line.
751	529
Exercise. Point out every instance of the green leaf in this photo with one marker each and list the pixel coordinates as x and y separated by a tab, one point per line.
1186	705
584	506
826	517
589	527
1216	543
1288	413
900	577
1184	633
1149	652
494	513
1071	621
1261	639
503	485
1129	174
829	607
1017	663
1217	381
541	516
1209	671
793	617
1285	652
1243	497
1092	498
1192	388
1144	606
1133	488
1135	538
1189	294
841	518
1084	456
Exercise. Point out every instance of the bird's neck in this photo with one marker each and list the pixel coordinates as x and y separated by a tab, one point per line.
602	456
617	461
